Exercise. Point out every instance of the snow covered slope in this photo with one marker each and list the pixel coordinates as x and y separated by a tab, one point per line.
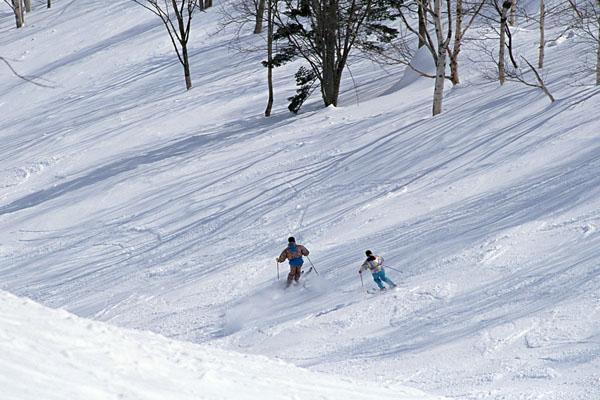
51	354
124	199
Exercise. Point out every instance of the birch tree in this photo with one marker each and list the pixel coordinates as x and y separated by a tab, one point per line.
176	16
260	12
443	36
586	14
439	14
271	9
422	16
555	16
542	25
513	13
18	8
462	10
456	19
502	9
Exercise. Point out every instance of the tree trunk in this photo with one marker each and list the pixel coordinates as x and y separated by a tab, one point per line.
502	50
186	67
440	67
260	11
513	13
457	45
183	41
19	14
542	34
49	4
330	79
330	84
422	22
27	5
207	4
598	51
269	54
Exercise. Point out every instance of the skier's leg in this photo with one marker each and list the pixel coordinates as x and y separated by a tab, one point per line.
297	273
377	279
290	276
386	279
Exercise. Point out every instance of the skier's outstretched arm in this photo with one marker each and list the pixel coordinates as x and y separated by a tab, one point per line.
283	256
304	251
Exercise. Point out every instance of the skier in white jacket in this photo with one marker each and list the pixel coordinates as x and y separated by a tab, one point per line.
375	264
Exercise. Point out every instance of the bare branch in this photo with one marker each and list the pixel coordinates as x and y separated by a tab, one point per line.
24	77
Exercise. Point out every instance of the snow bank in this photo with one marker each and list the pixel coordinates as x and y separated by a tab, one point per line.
53	355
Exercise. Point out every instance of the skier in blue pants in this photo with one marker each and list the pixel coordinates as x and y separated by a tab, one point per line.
375	265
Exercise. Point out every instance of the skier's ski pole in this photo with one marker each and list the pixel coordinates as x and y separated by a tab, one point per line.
362	284
277	270
392	268
313	265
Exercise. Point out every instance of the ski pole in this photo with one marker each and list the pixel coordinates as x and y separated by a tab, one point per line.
392	268
277	270
361	280
313	265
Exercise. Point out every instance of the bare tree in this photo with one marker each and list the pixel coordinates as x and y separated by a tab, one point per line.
460	31
502	9
555	16
178	29
542	25
506	6
19	9
519	75
586	15
260	12
443	36
452	42
422	16
27	4
438	46
271	9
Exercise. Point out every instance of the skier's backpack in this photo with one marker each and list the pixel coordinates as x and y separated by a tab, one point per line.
295	255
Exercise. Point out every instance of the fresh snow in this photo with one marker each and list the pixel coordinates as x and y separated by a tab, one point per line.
125	199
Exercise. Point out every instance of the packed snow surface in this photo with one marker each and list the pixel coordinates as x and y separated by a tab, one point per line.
127	200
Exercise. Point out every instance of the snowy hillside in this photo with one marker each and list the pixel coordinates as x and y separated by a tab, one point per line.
125	199
65	357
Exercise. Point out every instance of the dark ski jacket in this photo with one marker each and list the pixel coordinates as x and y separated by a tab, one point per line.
294	253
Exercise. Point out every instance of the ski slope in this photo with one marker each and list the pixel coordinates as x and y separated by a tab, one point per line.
66	357
126	200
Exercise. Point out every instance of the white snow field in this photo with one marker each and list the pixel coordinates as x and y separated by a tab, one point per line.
51	354
127	200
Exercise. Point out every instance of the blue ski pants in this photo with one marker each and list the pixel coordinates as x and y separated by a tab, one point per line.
378	277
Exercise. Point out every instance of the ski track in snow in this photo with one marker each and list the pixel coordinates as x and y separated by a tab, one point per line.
125	199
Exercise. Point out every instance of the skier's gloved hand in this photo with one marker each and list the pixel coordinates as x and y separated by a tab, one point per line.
277	259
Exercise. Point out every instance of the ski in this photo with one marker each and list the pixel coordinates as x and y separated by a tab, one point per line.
379	291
